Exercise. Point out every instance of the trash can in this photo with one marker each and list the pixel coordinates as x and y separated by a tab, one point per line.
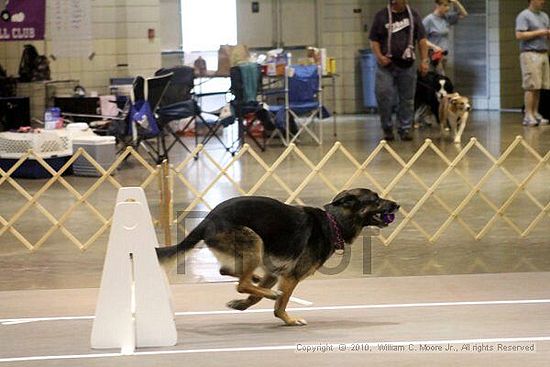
368	76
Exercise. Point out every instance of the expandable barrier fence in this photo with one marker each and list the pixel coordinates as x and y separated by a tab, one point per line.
437	193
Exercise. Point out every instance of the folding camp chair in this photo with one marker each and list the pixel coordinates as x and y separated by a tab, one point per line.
302	104
178	104
181	103
253	119
144	128
218	113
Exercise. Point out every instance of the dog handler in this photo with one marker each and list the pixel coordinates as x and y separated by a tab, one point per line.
395	53
437	25
532	30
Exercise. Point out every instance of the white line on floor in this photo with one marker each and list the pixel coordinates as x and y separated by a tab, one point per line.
275	347
300	301
15	321
361	307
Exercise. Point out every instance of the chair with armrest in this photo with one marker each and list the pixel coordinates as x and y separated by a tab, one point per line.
302	106
182	103
253	119
150	135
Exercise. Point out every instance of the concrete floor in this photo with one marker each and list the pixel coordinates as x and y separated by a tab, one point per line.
472	313
59	280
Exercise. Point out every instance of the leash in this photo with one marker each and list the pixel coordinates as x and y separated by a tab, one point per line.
339	244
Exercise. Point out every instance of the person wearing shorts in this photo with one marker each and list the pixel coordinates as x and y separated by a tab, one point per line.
533	32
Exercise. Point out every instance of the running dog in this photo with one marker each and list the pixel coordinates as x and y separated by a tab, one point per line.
454	110
289	243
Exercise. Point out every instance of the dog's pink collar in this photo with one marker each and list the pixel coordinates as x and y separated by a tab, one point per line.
339	244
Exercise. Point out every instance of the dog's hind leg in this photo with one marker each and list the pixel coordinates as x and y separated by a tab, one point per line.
267	282
246	286
286	286
226	271
248	258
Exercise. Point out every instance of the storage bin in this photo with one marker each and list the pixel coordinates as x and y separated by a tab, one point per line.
368	76
101	148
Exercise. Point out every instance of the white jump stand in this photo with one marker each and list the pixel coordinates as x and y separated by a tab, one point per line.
134	304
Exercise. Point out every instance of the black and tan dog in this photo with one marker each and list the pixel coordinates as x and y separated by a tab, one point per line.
288	243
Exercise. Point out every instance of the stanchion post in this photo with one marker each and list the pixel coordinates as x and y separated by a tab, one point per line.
165	201
134	306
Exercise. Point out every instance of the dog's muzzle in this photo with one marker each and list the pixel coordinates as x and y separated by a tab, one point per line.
384	216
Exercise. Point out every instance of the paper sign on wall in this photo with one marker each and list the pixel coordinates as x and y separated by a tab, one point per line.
70	27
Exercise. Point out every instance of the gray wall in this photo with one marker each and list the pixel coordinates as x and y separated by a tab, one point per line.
170	32
511	93
279	23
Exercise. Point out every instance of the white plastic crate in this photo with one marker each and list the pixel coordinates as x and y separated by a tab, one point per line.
46	144
100	148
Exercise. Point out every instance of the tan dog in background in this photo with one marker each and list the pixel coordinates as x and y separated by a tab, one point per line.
454	110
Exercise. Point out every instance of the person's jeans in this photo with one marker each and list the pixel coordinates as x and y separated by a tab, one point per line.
394	81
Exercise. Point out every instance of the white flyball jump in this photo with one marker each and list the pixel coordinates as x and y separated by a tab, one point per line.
134	307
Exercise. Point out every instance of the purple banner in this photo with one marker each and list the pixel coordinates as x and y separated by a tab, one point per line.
22	20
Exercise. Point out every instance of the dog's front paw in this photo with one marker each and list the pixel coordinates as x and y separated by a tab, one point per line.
296	322
238	304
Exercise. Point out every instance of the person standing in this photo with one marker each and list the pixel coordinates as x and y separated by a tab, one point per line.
532	30
437	25
395	31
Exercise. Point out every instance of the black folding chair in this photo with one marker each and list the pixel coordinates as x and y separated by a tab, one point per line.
151	137
253	119
181	102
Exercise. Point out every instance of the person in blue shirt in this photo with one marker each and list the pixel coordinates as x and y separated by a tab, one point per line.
438	23
533	32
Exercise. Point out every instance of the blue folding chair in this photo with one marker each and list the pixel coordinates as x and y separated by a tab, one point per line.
303	104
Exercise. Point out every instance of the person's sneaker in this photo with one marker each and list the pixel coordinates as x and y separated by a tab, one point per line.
406	135
388	135
541	120
530	122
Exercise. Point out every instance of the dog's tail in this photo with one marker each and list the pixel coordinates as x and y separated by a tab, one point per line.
169	254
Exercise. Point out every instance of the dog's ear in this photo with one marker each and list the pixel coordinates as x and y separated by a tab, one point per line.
449	85
456	100
345	199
